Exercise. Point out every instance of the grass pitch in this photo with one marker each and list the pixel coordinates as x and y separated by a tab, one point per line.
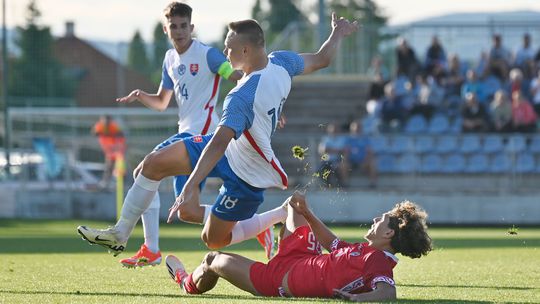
47	262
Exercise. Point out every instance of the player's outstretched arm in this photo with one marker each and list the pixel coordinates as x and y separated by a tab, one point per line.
322	233
340	28
382	292
159	101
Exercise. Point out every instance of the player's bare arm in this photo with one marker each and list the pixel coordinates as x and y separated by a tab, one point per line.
213	152
382	292
159	101
320	230
340	28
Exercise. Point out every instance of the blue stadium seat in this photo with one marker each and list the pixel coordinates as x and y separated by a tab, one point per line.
455	127
417	124
477	163
370	125
516	144
424	144
431	163
446	144
493	144
386	163
534	147
439	124
54	162
525	163
455	163
401	144
470	144
500	163
379	144
407	163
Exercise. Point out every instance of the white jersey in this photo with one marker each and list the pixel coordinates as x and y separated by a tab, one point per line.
252	109
194	79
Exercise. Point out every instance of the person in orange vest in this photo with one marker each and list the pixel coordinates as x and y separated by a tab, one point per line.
112	142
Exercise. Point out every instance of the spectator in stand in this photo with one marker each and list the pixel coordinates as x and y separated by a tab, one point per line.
481	68
393	112
499	58
535	92
360	154
429	97
524	54
435	57
452	82
490	85
523	115
406	59
377	68
472	85
475	116
516	82
501	112
332	149
113	144
376	88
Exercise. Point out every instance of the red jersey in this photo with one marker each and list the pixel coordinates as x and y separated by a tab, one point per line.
354	268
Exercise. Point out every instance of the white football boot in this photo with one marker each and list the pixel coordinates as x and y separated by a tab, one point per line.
103	237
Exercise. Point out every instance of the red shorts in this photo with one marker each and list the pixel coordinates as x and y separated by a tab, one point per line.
267	278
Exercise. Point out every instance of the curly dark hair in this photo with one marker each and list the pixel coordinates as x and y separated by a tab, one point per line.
177	9
408	221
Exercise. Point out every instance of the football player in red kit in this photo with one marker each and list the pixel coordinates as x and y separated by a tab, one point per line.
359	271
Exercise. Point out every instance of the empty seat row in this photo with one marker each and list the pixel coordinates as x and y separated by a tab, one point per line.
457	163
467	144
417	124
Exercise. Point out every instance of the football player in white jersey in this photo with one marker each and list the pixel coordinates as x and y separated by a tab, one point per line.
247	164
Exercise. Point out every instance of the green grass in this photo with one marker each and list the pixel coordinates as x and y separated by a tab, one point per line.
46	262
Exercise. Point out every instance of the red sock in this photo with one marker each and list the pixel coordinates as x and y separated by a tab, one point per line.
190	286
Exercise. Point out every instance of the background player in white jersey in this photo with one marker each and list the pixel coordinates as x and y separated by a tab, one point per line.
247	165
192	72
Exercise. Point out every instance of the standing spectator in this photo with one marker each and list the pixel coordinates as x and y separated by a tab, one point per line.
452	83
406	59
435	56
524	54
535	92
523	115
113	144
499	58
475	116
360	154
377	68
332	149
501	112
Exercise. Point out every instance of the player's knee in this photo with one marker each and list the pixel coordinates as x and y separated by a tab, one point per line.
152	166
212	242
209	259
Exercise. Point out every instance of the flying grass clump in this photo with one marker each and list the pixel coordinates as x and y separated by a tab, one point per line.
513	230
299	152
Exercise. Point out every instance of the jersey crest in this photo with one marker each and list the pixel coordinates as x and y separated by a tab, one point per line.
194	69
182	69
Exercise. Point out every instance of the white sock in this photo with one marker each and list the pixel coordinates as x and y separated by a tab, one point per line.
150	220
207	211
137	200
250	228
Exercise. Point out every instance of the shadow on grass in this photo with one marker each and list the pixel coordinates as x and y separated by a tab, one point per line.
76	245
469	286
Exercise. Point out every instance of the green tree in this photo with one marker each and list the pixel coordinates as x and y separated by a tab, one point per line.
35	73
282	12
137	58
160	47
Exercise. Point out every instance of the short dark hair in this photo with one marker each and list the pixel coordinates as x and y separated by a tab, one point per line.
410	238
250	30
177	9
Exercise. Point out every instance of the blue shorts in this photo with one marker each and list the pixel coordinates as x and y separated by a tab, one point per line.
237	200
180	180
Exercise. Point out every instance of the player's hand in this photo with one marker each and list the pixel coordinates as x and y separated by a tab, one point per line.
344	295
134	95
343	26
190	195
298	202
282	121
